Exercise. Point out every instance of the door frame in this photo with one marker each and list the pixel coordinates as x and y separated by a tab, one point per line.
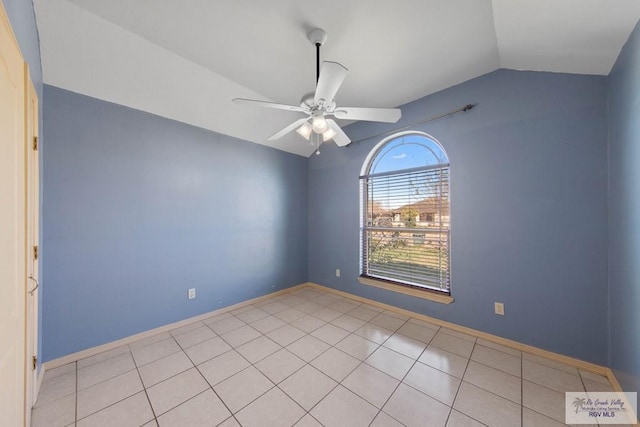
13	291
32	244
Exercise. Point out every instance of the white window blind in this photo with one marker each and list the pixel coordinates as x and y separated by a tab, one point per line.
405	226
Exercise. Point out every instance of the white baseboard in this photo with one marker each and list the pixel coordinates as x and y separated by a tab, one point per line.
73	357
580	364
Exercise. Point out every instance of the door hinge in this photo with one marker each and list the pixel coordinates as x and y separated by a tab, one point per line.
35	252
34	362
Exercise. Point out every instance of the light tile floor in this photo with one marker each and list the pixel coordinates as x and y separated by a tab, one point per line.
310	358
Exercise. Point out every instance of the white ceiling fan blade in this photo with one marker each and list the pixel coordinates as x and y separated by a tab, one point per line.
267	104
288	129
387	115
332	75
341	139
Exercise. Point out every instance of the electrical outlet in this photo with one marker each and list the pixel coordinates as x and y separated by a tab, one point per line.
337	272
499	308
192	293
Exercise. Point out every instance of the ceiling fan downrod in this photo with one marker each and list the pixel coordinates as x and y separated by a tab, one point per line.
317	62
317	37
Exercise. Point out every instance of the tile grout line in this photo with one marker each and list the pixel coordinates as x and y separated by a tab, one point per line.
214	392
297	403
233	348
493	367
137	368
303	300
401	381
361	362
206	380
124	398
338	383
293	373
144	388
171	336
310	365
461	381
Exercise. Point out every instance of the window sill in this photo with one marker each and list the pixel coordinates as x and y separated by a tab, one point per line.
419	293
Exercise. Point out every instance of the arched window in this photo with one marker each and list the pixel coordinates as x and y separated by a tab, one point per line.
405	213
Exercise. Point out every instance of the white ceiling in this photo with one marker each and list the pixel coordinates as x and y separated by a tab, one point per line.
186	59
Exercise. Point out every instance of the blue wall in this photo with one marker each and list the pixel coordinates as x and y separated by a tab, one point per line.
529	209
624	214
23	21
140	208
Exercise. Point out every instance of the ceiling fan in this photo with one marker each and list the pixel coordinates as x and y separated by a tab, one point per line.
321	105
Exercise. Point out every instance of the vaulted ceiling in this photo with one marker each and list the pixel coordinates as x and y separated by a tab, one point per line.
186	59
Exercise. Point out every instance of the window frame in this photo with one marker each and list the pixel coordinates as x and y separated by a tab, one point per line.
438	295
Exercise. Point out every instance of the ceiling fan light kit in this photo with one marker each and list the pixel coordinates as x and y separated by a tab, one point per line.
321	105
305	130
318	123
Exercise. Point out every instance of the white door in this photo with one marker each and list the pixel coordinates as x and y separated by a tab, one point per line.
12	229
33	208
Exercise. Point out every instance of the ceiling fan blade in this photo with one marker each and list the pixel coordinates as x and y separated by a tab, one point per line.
341	139
267	104
332	75
288	129
387	115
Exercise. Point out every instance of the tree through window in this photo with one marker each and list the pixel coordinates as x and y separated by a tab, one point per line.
405	213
